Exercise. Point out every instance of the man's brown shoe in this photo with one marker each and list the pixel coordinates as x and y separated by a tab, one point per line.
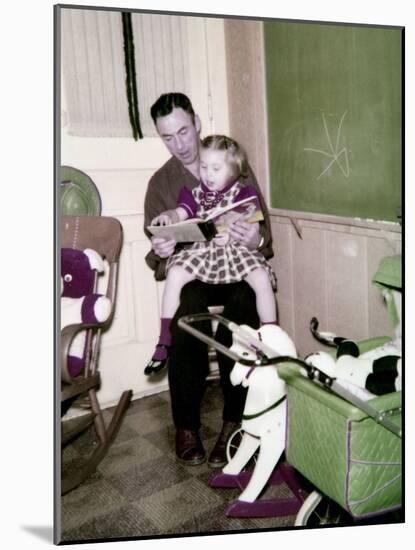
217	458
189	447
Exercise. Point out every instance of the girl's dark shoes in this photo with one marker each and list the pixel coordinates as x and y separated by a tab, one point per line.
159	360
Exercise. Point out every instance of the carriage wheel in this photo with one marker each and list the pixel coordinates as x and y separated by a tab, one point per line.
320	510
233	444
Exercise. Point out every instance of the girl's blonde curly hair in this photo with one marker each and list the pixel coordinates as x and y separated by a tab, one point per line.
235	154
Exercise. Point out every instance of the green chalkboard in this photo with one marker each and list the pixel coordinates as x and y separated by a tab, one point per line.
334	98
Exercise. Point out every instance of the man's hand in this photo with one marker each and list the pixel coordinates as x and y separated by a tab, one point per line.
245	233
163	247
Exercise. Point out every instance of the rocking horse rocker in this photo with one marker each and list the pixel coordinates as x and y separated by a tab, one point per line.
263	421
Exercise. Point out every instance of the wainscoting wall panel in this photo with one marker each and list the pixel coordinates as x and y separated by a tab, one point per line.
327	274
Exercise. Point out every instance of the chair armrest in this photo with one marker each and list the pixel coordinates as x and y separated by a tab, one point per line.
68	333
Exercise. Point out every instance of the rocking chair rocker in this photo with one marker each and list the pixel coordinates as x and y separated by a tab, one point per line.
80	378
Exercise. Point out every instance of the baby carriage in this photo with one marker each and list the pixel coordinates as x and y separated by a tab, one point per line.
348	449
356	445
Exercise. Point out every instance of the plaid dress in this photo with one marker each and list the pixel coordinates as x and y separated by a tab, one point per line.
213	263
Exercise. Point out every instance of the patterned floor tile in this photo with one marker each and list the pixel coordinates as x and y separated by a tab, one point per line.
150	477
126	454
141	490
152	420
216	521
167	508
88	501
122	522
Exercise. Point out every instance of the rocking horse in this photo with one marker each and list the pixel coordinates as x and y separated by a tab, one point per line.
263	420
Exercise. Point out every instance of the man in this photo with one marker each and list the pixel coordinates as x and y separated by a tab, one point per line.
179	128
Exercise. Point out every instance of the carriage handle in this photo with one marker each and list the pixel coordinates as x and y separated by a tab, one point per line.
267	356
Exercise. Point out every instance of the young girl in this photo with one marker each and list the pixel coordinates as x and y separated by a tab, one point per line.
221	260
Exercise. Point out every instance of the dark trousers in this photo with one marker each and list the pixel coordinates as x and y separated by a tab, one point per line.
188	364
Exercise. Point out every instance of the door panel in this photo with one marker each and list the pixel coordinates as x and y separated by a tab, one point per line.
121	168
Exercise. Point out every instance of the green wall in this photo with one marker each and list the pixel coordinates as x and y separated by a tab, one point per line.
334	96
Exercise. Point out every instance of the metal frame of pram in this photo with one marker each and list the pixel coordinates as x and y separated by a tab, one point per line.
362	412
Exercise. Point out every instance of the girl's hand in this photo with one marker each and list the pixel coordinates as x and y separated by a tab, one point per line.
245	233
222	239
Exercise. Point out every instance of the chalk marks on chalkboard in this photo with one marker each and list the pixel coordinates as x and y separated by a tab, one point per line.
334	154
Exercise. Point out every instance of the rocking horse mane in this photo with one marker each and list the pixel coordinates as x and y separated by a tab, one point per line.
265	388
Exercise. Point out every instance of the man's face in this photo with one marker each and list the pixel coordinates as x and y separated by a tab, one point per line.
180	135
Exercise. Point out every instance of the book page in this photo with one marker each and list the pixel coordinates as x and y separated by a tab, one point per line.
247	210
181	232
196	229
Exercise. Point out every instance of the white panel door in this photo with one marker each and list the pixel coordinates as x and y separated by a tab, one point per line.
121	168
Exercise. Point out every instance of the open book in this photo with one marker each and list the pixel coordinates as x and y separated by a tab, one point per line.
198	229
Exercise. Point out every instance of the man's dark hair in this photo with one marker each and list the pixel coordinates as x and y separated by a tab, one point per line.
167	102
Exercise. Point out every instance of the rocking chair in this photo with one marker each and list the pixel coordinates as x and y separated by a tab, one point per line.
80	377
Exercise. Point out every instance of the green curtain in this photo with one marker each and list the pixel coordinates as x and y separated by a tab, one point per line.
130	80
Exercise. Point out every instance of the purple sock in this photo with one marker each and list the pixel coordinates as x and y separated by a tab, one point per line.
161	351
269	323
